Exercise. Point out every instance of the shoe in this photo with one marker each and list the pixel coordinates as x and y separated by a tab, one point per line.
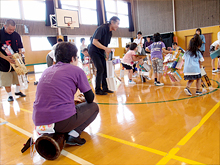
214	70
187	91
218	70
101	92
108	91
198	93
148	78
20	94
131	82
10	98
77	141
155	82
159	84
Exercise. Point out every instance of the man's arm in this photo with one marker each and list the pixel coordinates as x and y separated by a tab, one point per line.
100	46
7	58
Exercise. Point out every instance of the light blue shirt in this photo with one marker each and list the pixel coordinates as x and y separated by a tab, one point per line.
203	42
191	65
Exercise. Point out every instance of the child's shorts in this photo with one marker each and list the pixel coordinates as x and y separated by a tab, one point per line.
157	65
128	67
192	77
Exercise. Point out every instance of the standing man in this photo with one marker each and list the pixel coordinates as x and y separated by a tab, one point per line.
98	51
8	76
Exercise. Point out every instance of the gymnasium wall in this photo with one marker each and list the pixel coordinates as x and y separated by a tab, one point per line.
157	15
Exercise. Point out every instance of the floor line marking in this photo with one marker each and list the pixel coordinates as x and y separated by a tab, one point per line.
63	152
161	153
4	122
186	138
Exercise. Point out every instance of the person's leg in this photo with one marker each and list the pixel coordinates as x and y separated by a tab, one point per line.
104	75
189	83
198	84
186	90
17	88
85	114
100	70
159	71
6	81
154	66
130	72
218	64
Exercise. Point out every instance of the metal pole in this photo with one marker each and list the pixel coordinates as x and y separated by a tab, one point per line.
174	22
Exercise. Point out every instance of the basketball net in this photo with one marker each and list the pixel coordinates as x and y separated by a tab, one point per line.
69	25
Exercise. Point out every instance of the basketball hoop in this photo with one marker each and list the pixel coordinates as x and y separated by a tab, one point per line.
69	24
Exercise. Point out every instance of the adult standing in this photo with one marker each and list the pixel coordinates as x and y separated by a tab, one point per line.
202	48
54	102
98	51
139	40
8	76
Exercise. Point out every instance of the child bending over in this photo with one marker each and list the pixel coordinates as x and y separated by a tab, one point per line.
193	59
128	61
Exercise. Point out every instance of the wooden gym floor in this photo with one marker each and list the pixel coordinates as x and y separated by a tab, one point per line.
138	124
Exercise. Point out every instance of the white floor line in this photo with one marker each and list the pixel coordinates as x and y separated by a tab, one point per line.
63	152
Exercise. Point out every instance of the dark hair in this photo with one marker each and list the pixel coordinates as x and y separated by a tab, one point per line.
85	49
82	39
148	36
139	32
199	30
194	45
114	19
157	37
59	40
10	22
65	51
127	46
133	46
174	43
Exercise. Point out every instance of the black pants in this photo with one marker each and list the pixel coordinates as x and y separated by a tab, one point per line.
101	74
85	114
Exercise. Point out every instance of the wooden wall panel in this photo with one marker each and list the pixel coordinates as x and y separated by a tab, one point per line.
153	16
196	13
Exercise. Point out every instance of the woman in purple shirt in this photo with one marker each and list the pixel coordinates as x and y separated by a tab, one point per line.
54	102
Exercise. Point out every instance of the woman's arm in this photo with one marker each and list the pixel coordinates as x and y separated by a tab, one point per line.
89	96
136	58
216	48
166	51
148	50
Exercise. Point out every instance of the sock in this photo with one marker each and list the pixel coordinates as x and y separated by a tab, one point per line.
73	133
9	94
158	82
130	80
213	69
17	89
155	79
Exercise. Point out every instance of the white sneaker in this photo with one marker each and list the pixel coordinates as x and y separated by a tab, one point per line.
131	82
159	84
216	70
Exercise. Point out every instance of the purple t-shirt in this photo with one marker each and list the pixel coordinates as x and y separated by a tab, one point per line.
156	49
54	100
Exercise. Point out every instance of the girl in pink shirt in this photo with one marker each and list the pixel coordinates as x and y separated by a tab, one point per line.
128	61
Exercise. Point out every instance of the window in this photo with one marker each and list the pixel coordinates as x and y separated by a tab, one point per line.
113	43
34	10
87	10
10	9
124	41
117	8
40	43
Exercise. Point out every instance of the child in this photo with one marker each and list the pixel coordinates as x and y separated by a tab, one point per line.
82	40
156	50
193	59
128	61
215	46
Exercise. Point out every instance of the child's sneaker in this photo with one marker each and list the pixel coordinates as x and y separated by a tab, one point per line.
148	78
159	84
198	93
131	82
187	91
215	70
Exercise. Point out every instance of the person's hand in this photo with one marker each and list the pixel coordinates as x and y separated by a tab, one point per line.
108	50
10	59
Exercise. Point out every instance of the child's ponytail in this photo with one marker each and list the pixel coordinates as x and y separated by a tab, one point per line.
194	45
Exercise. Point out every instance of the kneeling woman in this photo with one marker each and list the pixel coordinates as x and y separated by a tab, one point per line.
54	103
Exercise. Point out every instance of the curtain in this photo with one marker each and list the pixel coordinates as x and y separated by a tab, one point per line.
99	12
50	9
131	24
167	38
52	40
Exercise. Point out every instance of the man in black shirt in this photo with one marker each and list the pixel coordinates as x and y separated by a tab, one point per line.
98	51
8	76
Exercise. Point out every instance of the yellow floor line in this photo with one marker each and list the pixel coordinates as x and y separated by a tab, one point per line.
65	153
178	158
186	138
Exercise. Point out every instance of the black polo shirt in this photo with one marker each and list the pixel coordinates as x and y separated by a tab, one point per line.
103	34
7	39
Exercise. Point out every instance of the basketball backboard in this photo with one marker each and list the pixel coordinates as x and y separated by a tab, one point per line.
65	18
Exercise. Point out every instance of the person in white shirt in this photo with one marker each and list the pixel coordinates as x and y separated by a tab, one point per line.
51	58
59	40
139	39
213	47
